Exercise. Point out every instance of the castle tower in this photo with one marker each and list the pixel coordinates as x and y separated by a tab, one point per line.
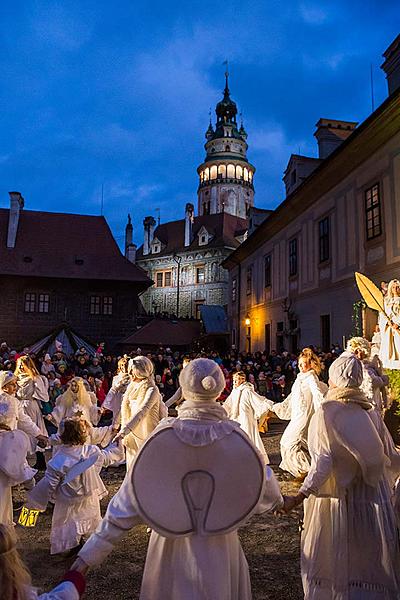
226	176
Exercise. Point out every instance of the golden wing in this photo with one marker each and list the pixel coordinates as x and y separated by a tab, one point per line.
372	296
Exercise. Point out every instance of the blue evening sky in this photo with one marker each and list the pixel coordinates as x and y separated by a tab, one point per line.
117	94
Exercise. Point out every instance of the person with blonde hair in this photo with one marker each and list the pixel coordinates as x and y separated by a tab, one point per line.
75	401
72	481
142	407
16	581
389	326
306	396
32	391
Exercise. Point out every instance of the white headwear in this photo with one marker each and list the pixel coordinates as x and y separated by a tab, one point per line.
47	357
359	343
141	367
201	380
346	371
6	377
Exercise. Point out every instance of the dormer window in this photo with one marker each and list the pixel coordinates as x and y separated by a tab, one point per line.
204	236
156	246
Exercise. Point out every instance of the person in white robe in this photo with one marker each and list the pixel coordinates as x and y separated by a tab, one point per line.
16	581
14	469
18	419
72	481
142	407
349	545
306	396
207	478
389	351
119	385
374	380
75	401
32	390
245	406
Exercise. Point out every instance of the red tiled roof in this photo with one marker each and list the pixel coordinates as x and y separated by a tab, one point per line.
67	246
162	332
223	227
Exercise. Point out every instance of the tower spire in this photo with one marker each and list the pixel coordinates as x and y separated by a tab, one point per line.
226	90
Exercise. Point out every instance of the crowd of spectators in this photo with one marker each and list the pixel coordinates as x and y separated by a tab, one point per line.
271	374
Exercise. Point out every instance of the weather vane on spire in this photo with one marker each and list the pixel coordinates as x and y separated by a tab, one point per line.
226	76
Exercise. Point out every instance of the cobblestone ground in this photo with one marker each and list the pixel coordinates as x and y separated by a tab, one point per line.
271	545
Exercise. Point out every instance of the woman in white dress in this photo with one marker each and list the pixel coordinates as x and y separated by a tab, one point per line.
142	407
306	396
245	406
195	481
75	401
113	400
349	545
389	352
32	391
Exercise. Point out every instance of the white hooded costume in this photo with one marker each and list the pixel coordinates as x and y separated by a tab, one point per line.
195	501
142	407
14	468
349	546
245	406
305	398
31	393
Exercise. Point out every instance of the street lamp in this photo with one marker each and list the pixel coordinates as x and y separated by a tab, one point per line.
247	320
178	260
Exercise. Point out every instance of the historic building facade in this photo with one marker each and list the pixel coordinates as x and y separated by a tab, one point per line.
292	281
60	268
184	257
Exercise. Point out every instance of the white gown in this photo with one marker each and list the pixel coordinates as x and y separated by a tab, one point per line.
89	410
193	567
306	396
245	406
389	351
31	392
349	546
113	400
73	517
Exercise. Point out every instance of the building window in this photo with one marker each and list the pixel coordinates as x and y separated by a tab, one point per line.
200	274
163	278
30	302
234	284
324	243
107	305
293	257
267	271
198	303
44	303
373	214
95	305
249	281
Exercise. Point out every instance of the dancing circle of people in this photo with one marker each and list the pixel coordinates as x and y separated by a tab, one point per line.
336	445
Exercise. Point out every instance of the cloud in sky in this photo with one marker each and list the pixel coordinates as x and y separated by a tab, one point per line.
118	95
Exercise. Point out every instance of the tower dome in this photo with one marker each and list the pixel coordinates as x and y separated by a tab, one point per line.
226	176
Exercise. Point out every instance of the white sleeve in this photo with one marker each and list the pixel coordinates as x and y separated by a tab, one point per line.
25	423
120	517
321	457
272	497
64	591
150	399
175	398
283	410
318	390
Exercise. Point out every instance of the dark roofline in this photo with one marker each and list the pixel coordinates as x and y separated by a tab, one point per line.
349	155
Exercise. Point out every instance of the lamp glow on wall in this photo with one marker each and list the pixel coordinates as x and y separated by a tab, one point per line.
247	320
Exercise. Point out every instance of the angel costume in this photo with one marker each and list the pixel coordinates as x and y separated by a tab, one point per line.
389	352
245	406
14	468
113	400
306	396
72	481
71	404
195	502
31	392
142	409
349	546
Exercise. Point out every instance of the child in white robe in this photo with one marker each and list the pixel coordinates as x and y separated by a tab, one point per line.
306	396
200	480
75	401
245	406
349	545
15	579
14	468
72	481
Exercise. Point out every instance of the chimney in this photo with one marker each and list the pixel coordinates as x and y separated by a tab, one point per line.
331	133
130	253
149	223
16	205
391	66
189	216
128	233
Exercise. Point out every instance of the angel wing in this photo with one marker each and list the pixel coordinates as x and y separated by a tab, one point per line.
372	296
